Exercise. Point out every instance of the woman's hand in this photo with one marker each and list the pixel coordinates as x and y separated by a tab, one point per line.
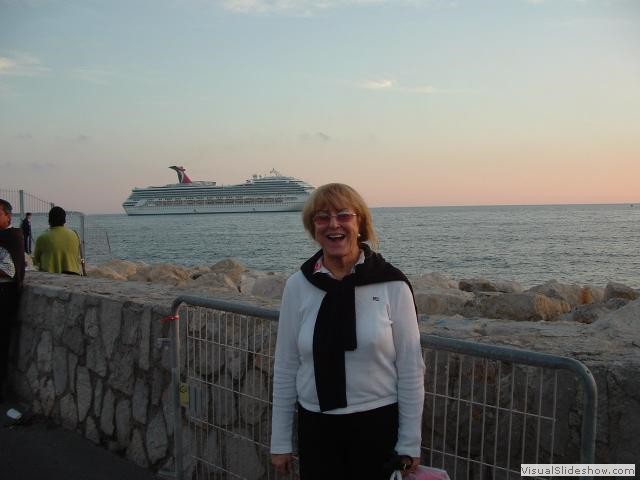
415	462
282	462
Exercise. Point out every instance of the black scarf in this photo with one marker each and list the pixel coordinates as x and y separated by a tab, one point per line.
335	329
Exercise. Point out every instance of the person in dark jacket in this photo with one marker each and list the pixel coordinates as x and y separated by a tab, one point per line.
26	233
11	277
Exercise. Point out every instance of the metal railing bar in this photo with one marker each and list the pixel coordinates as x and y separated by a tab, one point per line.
226	306
539	426
470	426
460	365
495	440
524	419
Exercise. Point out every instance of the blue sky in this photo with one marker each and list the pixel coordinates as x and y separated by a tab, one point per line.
411	102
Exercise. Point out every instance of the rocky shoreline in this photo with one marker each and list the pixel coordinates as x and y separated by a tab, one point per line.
435	293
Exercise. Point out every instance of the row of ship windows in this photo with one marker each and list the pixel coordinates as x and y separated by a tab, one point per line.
183	194
216	201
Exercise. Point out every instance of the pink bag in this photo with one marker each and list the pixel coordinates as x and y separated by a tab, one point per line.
422	473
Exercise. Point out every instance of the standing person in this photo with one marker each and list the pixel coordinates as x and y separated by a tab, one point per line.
348	352
58	249
11	277
26	232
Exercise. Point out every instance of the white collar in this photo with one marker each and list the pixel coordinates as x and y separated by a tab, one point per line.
320	268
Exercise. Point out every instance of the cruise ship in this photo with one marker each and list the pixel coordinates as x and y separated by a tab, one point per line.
261	193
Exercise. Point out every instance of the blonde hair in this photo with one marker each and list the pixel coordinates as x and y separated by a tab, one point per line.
338	196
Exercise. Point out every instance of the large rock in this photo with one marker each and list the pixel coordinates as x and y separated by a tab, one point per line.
116	269
572	294
430	281
623	322
214	280
618	290
230	267
476	285
105	272
591	312
162	273
442	301
481	284
262	284
518	306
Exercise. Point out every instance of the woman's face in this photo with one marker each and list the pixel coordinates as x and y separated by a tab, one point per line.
337	232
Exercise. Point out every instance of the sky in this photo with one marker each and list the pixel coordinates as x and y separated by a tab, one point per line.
412	102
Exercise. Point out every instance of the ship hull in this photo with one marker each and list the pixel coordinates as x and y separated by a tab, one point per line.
198	209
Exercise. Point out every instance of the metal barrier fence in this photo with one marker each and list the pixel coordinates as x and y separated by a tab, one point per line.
487	409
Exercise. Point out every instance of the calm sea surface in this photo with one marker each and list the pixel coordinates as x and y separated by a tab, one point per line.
585	244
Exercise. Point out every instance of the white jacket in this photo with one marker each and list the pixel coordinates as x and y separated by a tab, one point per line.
386	368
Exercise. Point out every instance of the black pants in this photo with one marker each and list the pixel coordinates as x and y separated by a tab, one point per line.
347	447
9	299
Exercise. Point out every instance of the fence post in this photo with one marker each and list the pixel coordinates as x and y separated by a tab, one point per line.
21	201
175	382
82	234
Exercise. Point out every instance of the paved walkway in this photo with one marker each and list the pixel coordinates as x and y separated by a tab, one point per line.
33	448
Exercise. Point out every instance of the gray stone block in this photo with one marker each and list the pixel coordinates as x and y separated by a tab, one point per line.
167	408
123	422
254	397
96	360
47	395
145	337
106	417
26	347
60	366
91	324
135	451
75	309
44	352
131	316
73	363
58	318
242	458
110	323
97	398
121	367
140	401
68	412
74	339
91	431
157	441
84	392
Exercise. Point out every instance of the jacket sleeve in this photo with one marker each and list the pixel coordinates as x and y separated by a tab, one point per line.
287	362
410	369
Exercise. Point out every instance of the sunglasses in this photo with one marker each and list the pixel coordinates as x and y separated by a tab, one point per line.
324	218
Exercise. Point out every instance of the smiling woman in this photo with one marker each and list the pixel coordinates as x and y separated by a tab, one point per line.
348	351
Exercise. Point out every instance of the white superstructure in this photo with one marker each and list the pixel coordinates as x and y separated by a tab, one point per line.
268	193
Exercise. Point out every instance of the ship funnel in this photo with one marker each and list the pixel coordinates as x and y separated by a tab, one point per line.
182	176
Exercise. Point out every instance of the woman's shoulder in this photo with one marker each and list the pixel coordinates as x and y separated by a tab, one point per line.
296	278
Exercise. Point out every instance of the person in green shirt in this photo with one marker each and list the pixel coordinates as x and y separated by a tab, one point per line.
58	249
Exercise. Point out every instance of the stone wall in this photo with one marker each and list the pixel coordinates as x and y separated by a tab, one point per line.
87	356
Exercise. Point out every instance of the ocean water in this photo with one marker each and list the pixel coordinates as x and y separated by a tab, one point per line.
584	244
